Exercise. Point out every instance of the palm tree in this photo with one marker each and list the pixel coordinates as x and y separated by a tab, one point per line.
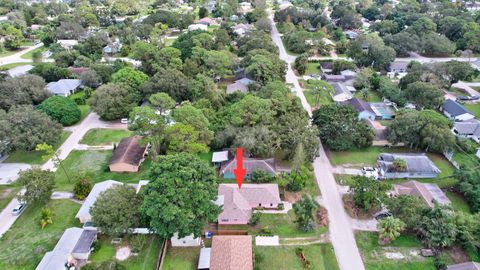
389	229
317	90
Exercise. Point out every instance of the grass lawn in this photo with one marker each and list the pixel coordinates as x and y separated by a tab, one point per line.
184	258
458	202
467	160
284	225
103	136
7	192
372	96
84	111
6	52
321	257
145	260
313	68
94	165
29	55
474	108
34	157
24	245
367	157
207	157
323	99
374	255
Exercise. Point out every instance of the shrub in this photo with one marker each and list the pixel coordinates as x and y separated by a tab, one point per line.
62	109
46	217
137	242
297	180
254	219
82	188
260	176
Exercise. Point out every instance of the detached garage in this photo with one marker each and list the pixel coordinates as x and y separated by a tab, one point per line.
128	156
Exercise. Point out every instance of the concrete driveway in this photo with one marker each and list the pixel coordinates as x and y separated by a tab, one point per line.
9	172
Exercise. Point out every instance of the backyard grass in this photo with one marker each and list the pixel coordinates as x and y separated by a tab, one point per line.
94	164
207	157
474	108
145	260
467	160
284	225
183	258
103	136
458	202
34	157
323	99
321	257
313	68
372	96
374	255
29	55
358	158
24	245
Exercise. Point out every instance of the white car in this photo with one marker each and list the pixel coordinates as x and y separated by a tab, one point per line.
19	209
370	172
124	121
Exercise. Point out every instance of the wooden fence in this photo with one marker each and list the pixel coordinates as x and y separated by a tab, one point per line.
161	255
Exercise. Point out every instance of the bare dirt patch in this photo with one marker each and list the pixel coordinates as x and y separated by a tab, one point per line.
123	253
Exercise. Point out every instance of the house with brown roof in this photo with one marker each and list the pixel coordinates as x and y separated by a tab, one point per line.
428	192
250	164
238	203
128	155
228	252
464	266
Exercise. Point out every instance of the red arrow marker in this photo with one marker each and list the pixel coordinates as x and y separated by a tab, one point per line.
239	171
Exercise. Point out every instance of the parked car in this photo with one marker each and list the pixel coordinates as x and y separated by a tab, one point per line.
124	121
19	209
370	172
382	214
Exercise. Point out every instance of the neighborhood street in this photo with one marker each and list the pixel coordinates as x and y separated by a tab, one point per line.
16	58
341	232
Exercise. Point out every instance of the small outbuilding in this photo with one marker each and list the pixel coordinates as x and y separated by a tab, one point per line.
128	156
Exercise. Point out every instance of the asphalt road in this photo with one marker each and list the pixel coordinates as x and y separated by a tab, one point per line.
341	232
16	58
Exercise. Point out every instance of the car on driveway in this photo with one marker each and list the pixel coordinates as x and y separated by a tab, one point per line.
370	172
19	209
382	214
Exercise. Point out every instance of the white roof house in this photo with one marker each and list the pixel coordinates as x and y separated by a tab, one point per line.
84	213
19	71
342	92
197	26
67	44
64	87
58	257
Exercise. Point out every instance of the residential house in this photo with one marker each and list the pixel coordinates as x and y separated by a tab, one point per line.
417	166
84	212
464	266
250	165
244	7
207	21
455	111
384	110
113	48
67	44
228	252
351	35
241	29
284	5
72	250
348	74
342	92
197	26
240	85
128	156
467	129
64	87
428	192
332	78
238	203
398	69
19	71
326	67
364	110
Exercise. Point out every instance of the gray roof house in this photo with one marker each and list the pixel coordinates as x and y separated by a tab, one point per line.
240	85
464	266
365	111
399	66
84	213
468	129
351	35
19	71
455	111
428	192
418	166
342	92
64	87
73	249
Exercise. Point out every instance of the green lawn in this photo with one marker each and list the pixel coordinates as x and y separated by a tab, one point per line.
313	68
145	260
374	255
207	157
34	157
321	257
467	160
24	245
94	164
372	96
29	55
358	158
103	136
184	258
284	225
458	202
6	52
323	99
84	111
7	192
474	108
